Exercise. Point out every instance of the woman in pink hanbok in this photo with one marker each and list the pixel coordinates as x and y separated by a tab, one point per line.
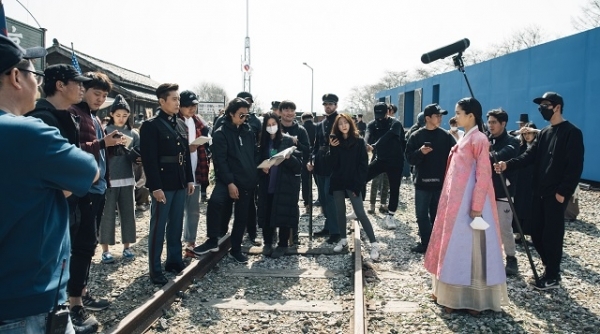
466	263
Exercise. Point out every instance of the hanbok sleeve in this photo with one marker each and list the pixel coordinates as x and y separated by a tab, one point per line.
483	172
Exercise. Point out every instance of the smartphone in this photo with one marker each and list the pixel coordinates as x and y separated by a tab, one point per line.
427	144
117	135
332	136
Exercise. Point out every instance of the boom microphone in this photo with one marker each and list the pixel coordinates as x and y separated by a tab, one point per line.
445	51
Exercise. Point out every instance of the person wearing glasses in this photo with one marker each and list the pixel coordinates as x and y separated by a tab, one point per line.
557	157
166	159
40	170
235	159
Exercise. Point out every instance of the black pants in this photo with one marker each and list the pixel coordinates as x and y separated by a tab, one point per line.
306	186
83	242
548	231
251	226
268	231
394	174
218	213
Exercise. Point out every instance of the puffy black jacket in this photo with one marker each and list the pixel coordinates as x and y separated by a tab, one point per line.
349	163
234	155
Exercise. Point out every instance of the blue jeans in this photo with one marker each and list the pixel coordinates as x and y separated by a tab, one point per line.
166	222
31	324
426	204
328	204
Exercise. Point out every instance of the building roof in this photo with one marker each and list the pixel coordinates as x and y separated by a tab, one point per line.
119	75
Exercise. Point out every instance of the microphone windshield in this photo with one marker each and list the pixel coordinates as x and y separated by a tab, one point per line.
445	51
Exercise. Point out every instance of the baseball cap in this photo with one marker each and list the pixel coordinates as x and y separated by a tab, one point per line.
432	109
275	105
553	97
11	54
64	73
246	96
380	108
188	98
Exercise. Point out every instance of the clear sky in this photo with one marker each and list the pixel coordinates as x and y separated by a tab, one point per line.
347	42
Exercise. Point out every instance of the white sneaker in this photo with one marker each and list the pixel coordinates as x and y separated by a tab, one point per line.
374	251
389	222
351	216
343	243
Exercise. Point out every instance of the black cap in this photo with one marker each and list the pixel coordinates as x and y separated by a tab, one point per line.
11	54
432	109
360	115
188	98
246	96
330	98
275	105
64	73
553	97
119	103
380	108
353	116
523	118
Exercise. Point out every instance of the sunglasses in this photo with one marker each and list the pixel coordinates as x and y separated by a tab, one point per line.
242	116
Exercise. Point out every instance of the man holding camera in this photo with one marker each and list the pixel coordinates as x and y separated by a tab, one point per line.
428	149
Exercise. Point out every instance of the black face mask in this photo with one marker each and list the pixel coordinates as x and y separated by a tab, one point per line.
546	112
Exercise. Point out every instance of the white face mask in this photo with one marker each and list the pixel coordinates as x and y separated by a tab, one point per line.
272	129
453	128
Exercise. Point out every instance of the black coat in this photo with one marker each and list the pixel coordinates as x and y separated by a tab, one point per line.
349	164
165	155
234	155
311	129
63	120
284	210
524	195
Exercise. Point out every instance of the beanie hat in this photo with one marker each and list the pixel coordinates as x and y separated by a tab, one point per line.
119	103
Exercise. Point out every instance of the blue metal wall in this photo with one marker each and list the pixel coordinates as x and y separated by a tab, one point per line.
569	66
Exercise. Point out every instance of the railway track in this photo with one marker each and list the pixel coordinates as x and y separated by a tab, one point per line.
343	307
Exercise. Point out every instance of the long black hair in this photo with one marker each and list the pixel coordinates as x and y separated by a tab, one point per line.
265	136
471	106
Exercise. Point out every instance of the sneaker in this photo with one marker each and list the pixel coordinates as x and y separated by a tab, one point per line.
316	203
189	252
128	254
547	284
107	257
83	321
267	249
512	268
374	254
334	238
254	242
371	209
342	244
278	252
238	257
209	245
351	216
419	248
142	207
389	222
93	304
321	233
383	208
203	198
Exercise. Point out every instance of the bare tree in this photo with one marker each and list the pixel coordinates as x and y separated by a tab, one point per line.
589	17
210	92
393	79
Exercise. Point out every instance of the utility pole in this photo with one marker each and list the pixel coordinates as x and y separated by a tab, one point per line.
246	68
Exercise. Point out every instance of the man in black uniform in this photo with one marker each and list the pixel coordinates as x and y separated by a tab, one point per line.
428	149
557	157
166	158
361	125
387	135
275	108
235	160
323	171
